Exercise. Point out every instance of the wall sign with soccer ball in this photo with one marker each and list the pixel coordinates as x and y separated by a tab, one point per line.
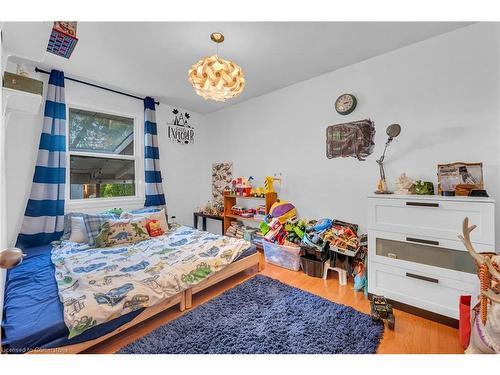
179	129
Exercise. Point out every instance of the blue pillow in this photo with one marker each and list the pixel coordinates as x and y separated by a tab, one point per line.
93	224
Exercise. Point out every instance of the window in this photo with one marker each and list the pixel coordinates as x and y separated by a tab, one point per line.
102	157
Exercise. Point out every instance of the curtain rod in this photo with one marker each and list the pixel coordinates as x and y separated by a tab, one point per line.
38	70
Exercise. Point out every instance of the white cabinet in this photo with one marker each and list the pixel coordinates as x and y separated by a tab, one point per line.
414	255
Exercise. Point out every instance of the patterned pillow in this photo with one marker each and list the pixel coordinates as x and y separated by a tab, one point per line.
119	231
93	224
156	215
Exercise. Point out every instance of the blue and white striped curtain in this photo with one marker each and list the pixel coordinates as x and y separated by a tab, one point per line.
44	215
153	180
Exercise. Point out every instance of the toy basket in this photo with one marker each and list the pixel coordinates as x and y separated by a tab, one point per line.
283	256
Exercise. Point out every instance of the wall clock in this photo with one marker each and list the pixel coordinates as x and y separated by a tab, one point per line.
345	104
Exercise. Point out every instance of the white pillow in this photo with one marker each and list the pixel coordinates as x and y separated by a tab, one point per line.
78	230
158	215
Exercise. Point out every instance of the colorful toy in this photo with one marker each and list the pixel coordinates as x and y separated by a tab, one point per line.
276	232
342	236
242	186
269	183
242	211
360	278
380	309
295	231
322	225
259	192
248	213
154	228
264	227
237	210
283	211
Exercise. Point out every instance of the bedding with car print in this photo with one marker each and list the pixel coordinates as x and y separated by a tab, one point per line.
97	285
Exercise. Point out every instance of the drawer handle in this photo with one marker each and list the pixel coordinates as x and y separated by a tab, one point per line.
422	204
420	277
419	240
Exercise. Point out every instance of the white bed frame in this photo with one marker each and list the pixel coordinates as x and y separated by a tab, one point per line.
183	299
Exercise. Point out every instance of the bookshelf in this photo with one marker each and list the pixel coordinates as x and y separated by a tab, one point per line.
230	201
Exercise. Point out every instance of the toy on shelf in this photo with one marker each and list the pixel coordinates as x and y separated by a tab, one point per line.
269	183
259	192
236	230
248	213
260	212
242	186
380	309
242	211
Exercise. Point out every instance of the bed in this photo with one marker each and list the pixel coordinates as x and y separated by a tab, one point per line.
34	318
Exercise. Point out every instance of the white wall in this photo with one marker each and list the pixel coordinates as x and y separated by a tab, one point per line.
183	185
443	91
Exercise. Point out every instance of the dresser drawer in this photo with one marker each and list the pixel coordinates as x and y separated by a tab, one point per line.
437	255
427	291
439	218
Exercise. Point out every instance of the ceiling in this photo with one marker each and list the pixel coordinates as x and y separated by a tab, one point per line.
151	58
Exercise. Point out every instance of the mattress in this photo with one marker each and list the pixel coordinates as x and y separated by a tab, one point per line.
32	313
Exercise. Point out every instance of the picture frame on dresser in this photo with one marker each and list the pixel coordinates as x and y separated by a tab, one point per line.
460	177
415	258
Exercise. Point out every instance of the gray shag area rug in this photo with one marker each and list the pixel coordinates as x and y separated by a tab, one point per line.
264	316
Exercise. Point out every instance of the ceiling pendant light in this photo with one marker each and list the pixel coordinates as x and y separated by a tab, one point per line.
215	78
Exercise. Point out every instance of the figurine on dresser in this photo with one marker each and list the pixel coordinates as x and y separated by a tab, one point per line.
404	184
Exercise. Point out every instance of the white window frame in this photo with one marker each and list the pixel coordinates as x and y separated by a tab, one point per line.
93	204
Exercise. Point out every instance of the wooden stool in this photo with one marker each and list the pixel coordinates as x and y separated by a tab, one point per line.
342	273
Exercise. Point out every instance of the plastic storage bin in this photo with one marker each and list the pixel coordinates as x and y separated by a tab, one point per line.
312	266
312	253
283	256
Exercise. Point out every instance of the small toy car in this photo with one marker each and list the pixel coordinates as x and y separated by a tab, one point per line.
382	310
237	210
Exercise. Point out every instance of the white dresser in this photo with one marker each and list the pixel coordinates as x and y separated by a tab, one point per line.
414	256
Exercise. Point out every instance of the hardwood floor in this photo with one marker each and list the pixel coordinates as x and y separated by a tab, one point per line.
413	335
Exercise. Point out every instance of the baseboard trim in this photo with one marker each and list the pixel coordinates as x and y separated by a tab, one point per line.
446	320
